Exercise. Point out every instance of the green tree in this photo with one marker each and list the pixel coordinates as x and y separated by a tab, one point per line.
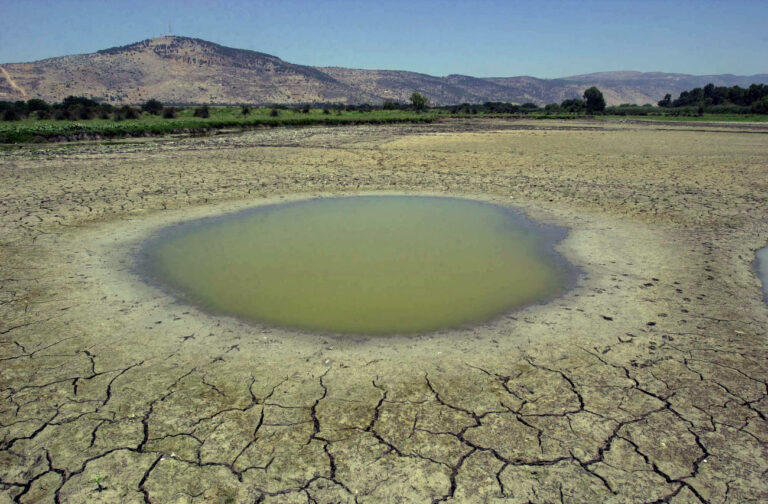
595	100
667	101
419	101
37	104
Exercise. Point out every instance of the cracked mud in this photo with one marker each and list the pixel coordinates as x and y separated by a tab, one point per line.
648	382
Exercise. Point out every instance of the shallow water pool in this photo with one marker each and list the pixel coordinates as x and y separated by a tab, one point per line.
361	264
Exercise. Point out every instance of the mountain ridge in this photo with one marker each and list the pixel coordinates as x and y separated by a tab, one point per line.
177	69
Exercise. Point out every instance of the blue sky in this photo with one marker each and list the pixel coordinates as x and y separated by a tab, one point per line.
484	38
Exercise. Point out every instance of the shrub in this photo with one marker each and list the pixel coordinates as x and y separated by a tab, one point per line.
495	107
245	110
573	105
73	101
125	112
274	112
419	101
760	106
85	113
11	115
727	109
130	113
152	106
169	113
63	115
326	111
389	105
626	109
202	112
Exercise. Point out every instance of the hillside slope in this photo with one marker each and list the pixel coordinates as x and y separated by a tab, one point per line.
186	70
177	70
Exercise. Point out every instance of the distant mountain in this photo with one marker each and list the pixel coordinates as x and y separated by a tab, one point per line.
187	70
175	70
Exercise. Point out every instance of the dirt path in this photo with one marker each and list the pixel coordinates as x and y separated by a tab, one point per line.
11	82
646	383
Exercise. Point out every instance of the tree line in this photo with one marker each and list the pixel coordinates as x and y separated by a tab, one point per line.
73	108
709	99
714	99
591	103
77	108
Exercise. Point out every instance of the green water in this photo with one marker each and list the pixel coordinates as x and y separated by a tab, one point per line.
364	264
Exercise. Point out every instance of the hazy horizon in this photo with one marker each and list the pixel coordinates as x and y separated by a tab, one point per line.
545	39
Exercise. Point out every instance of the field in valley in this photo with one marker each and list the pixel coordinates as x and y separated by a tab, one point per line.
648	382
32	130
114	124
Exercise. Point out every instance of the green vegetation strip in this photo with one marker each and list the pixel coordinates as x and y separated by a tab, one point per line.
32	130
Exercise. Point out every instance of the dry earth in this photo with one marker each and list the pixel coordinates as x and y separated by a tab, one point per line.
646	383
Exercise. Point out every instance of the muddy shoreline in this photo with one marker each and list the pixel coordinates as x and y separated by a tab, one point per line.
648	381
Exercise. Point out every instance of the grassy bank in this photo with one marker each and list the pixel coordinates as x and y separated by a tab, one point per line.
706	117
611	117
699	118
36	130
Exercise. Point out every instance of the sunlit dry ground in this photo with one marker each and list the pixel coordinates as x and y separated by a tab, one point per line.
648	382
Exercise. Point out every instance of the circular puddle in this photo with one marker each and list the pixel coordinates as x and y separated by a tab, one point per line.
361	264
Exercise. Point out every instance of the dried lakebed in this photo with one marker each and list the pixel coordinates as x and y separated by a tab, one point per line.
646	382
